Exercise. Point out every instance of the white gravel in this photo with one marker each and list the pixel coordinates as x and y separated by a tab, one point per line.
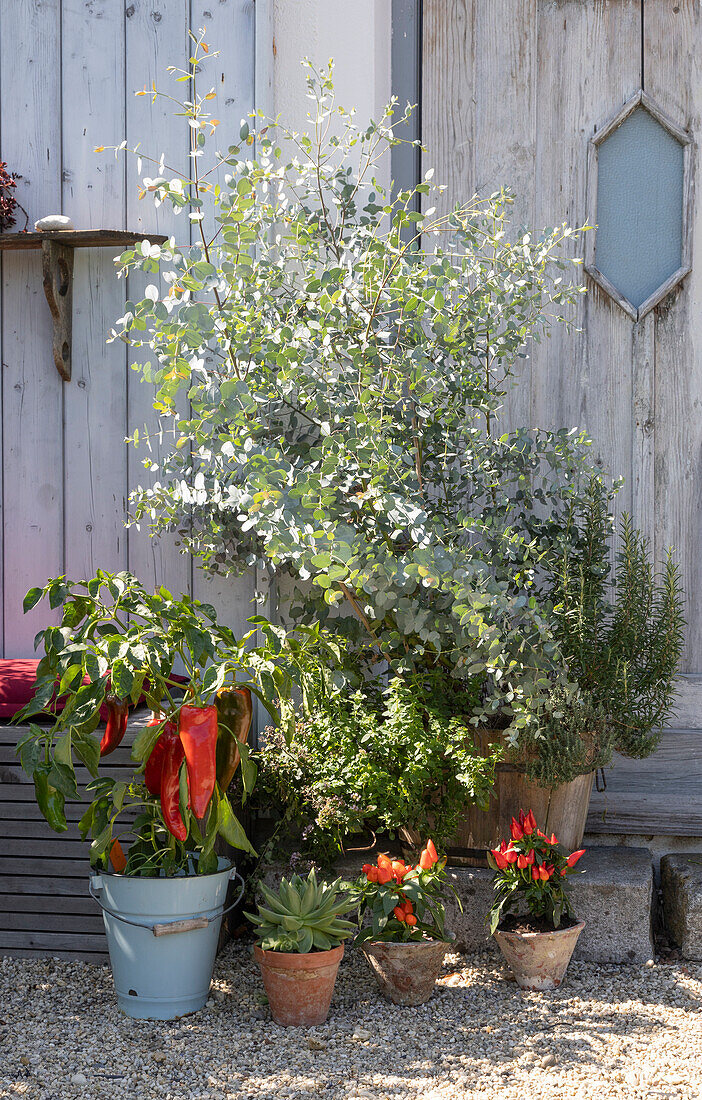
609	1032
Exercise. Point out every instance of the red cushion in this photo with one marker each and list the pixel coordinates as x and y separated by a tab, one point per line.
17	680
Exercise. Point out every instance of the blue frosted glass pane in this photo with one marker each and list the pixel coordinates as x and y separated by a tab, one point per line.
639	206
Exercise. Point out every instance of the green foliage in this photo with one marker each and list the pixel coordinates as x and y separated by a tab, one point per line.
345	358
302	916
403	758
117	638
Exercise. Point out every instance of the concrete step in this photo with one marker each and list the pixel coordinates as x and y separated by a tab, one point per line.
681	889
613	896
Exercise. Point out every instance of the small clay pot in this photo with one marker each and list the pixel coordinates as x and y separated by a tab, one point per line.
406	973
299	987
539	960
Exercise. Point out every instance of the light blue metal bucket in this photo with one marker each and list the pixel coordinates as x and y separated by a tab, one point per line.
162	936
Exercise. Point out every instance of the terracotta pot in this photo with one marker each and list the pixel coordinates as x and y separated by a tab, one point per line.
539	960
406	973
299	987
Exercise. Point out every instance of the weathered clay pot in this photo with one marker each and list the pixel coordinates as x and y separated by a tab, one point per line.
539	960
299	987
406	972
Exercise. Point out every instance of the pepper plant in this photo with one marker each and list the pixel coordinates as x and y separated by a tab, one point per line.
403	903
531	873
117	643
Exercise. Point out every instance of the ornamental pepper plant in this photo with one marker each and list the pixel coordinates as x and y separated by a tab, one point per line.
117	645
530	881
403	902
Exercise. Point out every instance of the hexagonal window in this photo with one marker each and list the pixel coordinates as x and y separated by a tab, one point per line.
638	196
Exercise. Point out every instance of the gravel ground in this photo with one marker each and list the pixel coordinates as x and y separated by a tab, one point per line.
609	1032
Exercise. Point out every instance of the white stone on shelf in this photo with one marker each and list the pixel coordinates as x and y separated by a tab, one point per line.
53	222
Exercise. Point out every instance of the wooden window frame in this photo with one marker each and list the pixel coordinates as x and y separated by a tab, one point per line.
641	99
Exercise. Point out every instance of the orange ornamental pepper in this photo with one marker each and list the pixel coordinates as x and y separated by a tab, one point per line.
197	727
399	913
384	875
574	857
117	716
398	869
117	857
432	851
426	864
170	785
411	920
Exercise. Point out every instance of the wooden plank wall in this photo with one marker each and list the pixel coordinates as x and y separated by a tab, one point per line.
512	92
66	471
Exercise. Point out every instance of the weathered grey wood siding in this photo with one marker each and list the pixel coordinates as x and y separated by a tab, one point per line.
44	902
512	92
68	73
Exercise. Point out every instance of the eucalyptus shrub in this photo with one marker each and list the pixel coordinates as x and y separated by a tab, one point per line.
346	358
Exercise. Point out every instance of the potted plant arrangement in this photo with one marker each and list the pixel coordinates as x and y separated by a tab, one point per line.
301	934
404	939
164	898
376	341
532	918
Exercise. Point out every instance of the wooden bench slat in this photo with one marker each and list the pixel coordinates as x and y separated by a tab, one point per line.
30	865
76	923
95	958
43	885
79	904
49	941
53	846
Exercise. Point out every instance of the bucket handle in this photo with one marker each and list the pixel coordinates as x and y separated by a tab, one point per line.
169	928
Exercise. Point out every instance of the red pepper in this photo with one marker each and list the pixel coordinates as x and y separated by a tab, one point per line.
117	715
170	784
154	764
234	713
197	727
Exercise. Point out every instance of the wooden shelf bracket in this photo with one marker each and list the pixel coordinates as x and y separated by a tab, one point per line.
57	248
57	271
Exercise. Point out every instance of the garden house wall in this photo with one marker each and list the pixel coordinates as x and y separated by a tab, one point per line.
519	93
